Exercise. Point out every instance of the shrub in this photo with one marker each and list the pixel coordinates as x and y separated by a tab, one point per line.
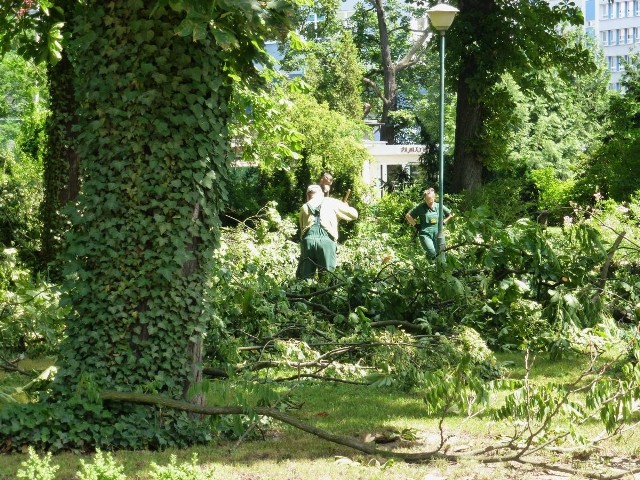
36	468
104	467
177	471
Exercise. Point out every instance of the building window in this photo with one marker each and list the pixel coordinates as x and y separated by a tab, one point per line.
637	8
604	38
629	35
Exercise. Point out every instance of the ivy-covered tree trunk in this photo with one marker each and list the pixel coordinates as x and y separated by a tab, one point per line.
61	163
153	144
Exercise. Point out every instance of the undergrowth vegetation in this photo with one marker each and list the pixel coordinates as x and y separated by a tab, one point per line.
386	318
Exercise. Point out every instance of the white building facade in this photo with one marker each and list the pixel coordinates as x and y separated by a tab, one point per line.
617	24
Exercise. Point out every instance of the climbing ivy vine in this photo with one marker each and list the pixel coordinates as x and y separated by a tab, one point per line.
153	144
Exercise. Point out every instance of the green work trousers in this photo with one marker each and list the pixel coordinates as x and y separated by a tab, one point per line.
429	239
317	253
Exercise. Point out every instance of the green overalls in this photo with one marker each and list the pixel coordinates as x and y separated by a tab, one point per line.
318	249
428	225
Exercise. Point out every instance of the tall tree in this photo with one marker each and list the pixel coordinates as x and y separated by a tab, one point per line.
153	142
393	45
492	37
335	73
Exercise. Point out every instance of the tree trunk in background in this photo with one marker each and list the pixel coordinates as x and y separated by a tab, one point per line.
470	113
390	92
467	167
61	161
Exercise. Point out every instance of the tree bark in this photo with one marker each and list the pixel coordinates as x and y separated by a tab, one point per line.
390	91
467	166
61	160
391	69
470	111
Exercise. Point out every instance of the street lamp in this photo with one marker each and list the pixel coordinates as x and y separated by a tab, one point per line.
441	17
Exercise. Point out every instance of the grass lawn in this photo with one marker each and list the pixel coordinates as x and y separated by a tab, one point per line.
283	452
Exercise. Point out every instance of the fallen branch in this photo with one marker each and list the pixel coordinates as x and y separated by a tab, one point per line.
368	448
398	323
317	306
316	293
604	271
11	366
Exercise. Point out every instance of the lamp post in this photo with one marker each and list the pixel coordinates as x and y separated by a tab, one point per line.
441	17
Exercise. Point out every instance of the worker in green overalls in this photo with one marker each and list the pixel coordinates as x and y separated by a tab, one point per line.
318	220
425	217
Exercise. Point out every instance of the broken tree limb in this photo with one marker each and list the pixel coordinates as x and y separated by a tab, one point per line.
604	271
368	448
350	442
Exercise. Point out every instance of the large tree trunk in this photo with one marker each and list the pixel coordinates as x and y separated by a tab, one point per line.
155	155
467	167
470	112
61	163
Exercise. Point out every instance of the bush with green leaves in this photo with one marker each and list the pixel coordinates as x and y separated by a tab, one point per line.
103	467
178	471
31	320
37	468
20	198
519	285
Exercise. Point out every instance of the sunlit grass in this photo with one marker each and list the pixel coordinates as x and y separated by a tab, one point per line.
282	452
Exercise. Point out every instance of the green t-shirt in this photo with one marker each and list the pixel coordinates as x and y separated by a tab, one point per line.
426	217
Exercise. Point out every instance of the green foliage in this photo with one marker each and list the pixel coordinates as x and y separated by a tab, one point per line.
335	75
20	197
31	320
291	139
609	169
454	389
35	29
549	127
239	28
47	426
177	471
481	55
103	467
21	169
36	468
20	84
550	414
553	194
409	362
